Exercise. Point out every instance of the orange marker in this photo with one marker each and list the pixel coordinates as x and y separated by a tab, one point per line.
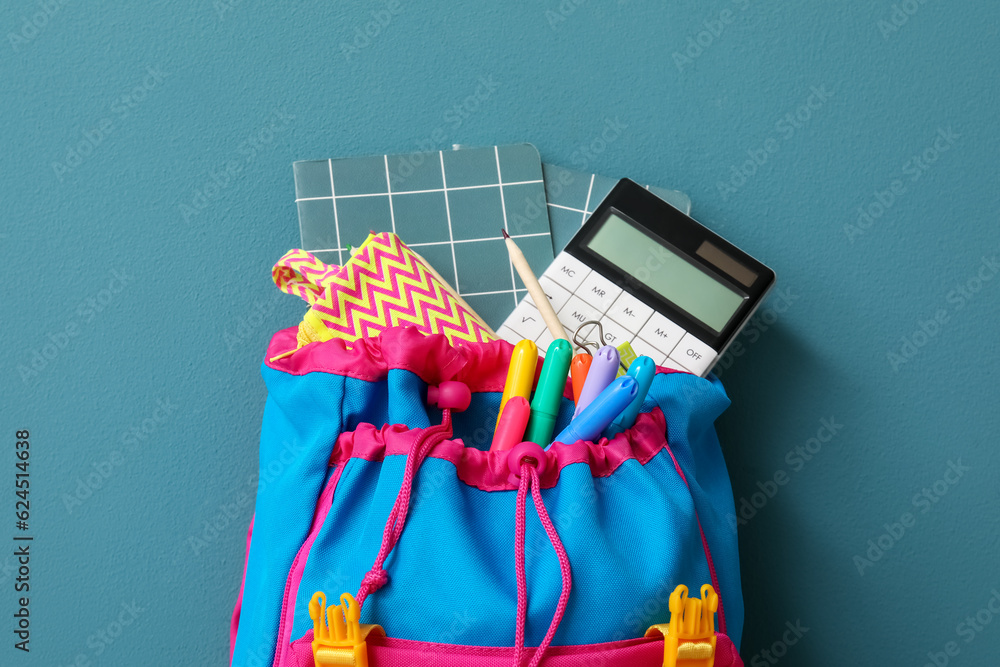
520	373
578	370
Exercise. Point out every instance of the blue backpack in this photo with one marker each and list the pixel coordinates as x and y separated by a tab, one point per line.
386	533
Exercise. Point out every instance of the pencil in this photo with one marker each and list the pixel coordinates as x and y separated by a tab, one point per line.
534	289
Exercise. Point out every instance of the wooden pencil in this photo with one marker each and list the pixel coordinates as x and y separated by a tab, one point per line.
534	288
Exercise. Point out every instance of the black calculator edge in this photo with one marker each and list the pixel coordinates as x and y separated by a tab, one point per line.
644	205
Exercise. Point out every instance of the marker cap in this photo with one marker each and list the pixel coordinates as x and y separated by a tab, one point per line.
578	371
548	395
602	371
601	411
643	369
520	373
510	429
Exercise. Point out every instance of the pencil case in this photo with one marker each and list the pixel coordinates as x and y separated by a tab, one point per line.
386	533
382	284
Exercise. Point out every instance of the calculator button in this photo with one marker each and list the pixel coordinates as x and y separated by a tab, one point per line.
576	312
599	291
629	312
661	332
526	321
614	334
567	270
557	295
695	355
641	348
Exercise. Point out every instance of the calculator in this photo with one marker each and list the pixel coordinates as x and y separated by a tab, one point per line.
654	277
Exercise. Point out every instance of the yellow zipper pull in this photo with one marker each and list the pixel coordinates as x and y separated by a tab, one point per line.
338	637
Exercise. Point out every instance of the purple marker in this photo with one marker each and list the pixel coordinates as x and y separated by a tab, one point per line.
602	371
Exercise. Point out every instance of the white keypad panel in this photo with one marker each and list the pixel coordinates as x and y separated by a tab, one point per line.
576	312
526	320
641	347
567	270
578	294
693	354
661	332
558	296
629	312
614	333
598	291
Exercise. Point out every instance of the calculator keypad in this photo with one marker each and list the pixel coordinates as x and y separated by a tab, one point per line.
578	294
576	312
568	271
598	291
661	332
526	320
630	312
558	296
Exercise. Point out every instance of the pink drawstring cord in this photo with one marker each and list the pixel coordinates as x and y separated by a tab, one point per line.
529	480
434	435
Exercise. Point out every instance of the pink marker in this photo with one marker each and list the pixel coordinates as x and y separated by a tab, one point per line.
602	371
513	420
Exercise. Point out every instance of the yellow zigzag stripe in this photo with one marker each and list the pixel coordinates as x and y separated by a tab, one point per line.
420	303
391	293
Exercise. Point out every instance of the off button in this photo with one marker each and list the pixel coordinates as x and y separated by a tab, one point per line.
694	355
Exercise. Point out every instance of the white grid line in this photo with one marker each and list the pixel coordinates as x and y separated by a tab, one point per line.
488	238
432	243
586	204
503	205
502	291
388	188
333	197
569	208
336	220
417	192
447	210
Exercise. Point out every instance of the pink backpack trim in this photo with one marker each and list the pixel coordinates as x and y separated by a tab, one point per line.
488	470
299	566
481	366
390	652
234	623
429	356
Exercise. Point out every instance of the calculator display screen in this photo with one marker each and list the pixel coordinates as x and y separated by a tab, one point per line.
664	271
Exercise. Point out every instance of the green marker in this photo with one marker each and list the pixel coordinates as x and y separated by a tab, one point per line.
548	395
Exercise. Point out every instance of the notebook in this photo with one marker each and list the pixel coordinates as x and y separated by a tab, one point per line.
449	206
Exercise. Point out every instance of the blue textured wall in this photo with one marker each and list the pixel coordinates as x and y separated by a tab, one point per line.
145	288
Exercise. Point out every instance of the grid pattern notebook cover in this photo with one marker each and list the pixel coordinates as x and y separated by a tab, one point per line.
448	206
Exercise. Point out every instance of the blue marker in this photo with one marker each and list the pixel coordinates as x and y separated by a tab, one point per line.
643	370
602	410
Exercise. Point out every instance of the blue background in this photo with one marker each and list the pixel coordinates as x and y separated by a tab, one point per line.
189	324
